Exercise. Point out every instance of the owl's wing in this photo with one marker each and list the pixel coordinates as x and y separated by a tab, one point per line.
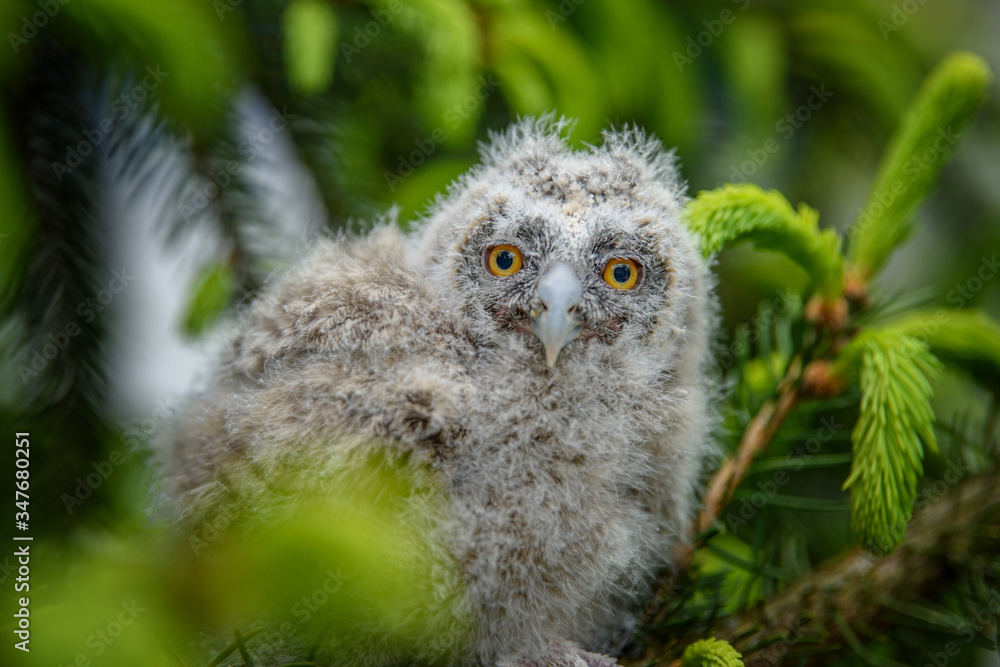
350	345
300	463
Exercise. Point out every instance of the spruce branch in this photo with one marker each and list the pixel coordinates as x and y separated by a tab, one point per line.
756	437
917	152
745	212
894	371
968	337
947	538
755	440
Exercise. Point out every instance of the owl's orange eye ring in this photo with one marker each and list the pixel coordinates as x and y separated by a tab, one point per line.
504	260
622	273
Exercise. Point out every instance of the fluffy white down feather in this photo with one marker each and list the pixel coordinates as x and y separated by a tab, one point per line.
567	487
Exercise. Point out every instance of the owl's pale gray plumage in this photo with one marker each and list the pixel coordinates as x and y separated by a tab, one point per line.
570	466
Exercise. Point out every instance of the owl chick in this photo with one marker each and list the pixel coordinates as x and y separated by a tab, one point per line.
539	342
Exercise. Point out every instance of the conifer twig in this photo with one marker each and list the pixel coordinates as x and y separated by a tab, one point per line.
954	534
755	440
756	437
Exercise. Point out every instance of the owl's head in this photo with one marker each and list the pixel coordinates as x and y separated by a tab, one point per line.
551	253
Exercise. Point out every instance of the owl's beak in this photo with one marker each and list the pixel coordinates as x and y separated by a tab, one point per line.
559	290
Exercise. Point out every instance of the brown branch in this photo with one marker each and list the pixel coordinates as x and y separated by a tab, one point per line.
817	379
734	470
955	534
756	438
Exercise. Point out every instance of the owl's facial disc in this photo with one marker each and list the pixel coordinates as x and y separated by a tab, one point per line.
556	323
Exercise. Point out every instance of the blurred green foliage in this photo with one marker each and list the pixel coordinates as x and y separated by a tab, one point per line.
895	372
291	555
387	99
914	160
213	289
310	36
746	213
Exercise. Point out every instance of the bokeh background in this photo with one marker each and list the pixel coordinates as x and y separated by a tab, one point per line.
159	160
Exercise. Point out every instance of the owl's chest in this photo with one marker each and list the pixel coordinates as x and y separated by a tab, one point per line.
552	450
582	422
548	482
543	527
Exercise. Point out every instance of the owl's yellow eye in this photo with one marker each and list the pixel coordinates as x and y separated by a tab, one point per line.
621	273
503	260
